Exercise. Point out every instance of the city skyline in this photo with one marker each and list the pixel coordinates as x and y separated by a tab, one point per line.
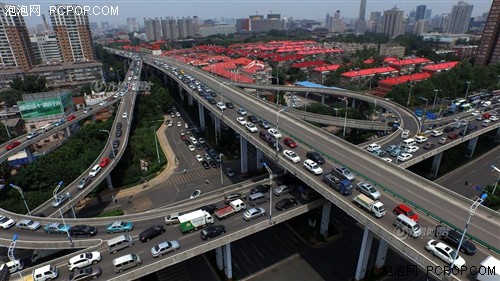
207	9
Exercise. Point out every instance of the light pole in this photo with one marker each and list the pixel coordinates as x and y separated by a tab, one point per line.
305	110
22	196
54	193
425	112
109	135
67	233
496	184
220	165
278	129
220	89
345	115
270	191
10	252
409	95
472	210
467	91
156	143
118	77
435	98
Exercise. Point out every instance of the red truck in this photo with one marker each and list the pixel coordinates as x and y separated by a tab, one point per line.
233	207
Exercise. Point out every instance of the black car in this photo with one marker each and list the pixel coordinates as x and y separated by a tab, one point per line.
206	146
188	143
213	164
212	231
448	129
233	196
286	203
198	146
83	230
116	143
151	232
118	133
119	125
252	118
205	164
263	188
212	101
452	238
264	124
275	145
209	208
316	157
229	105
113	153
87	273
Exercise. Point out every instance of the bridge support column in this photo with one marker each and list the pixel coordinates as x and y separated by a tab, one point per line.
67	131
217	128
322	98
244	155
498	133
219	257
259	157
471	146
29	154
381	254
353	103
190	100
109	182
435	164
228	267
364	254
201	113
325	219
180	91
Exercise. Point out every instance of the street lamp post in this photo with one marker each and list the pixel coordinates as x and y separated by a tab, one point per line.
345	115
220	166
472	210
425	112
435	98
156	143
305	110
10	252
467	91
54	193
409	95
112	150
270	191
22	196
118	77
67	233
278	129
498	178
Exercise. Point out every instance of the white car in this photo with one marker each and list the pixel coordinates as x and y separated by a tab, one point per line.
476	113
292	156
374	147
387	159
221	105
411	149
242	111
95	170
275	133
494	118
83	260
124	115
191	147
102	102
6	222
436	133
251	127
198	157
28	225
444	252
241	120
404	156
186	125
421	139
179	124
165	248
193	140
312	167
178	114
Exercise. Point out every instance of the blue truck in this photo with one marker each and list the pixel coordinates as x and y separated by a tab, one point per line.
343	186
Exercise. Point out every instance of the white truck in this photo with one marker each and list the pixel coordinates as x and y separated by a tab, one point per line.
373	206
489	270
234	207
194	221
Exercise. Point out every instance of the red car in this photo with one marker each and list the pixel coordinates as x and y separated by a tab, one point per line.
12	145
452	136
183	137
290	142
104	162
405	210
71	117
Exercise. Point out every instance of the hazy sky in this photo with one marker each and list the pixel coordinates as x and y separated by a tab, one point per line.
215	9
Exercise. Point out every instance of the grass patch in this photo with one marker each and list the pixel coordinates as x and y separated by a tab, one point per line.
112	213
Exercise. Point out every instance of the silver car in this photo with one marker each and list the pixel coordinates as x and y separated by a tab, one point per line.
60	199
253	213
83	182
165	248
368	190
28	225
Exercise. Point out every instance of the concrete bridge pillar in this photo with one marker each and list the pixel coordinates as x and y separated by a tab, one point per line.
381	254
244	155
435	164
228	268
180	92
109	182
259	157
201	113
29	154
190	100
498	133
322	98
471	146
364	254
325	219
219	257
67	130
217	128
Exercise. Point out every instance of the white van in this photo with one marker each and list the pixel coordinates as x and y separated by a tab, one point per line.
408	225
13	266
405	134
126	262
408	142
120	242
48	272
257	198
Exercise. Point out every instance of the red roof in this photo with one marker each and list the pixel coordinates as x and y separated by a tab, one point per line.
440	66
389	59
369	61
309	64
405	79
331	67
409	61
369	71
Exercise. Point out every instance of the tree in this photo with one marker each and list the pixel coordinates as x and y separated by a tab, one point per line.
10	96
29	84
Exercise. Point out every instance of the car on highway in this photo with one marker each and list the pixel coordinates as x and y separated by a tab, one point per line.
229	105
119	125
312	167
452	237
429	146
213	164
95	170
32	134
201	140
261	188
124	115
83	182
198	158
208	157
344	173
369	190
395	152
85	274
233	196
445	253
113	153
57	227
212	231
118	133
151	232
191	147
494	118
83	230
252	119
251	127
241	120
120	226
275	133
411	149
165	248
292	156
104	162
391	148
12	145
443	140
282	189
242	111
373	147
28	225
289	142
286	203
452	136
6	222
60	199
436	133
316	157
229	171
404	157
264	124
379	153
405	210
210	208
83	260
221	105
421	139
205	164
71	117
253	213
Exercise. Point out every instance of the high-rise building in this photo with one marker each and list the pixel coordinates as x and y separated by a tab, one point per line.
132	25
374	22
360	27
156	29
420	13
428	13
105	25
392	22
459	18
362	10
46	48
489	49
15	44
73	33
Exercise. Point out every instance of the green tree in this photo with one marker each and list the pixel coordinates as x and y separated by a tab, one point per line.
11	96
29	84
